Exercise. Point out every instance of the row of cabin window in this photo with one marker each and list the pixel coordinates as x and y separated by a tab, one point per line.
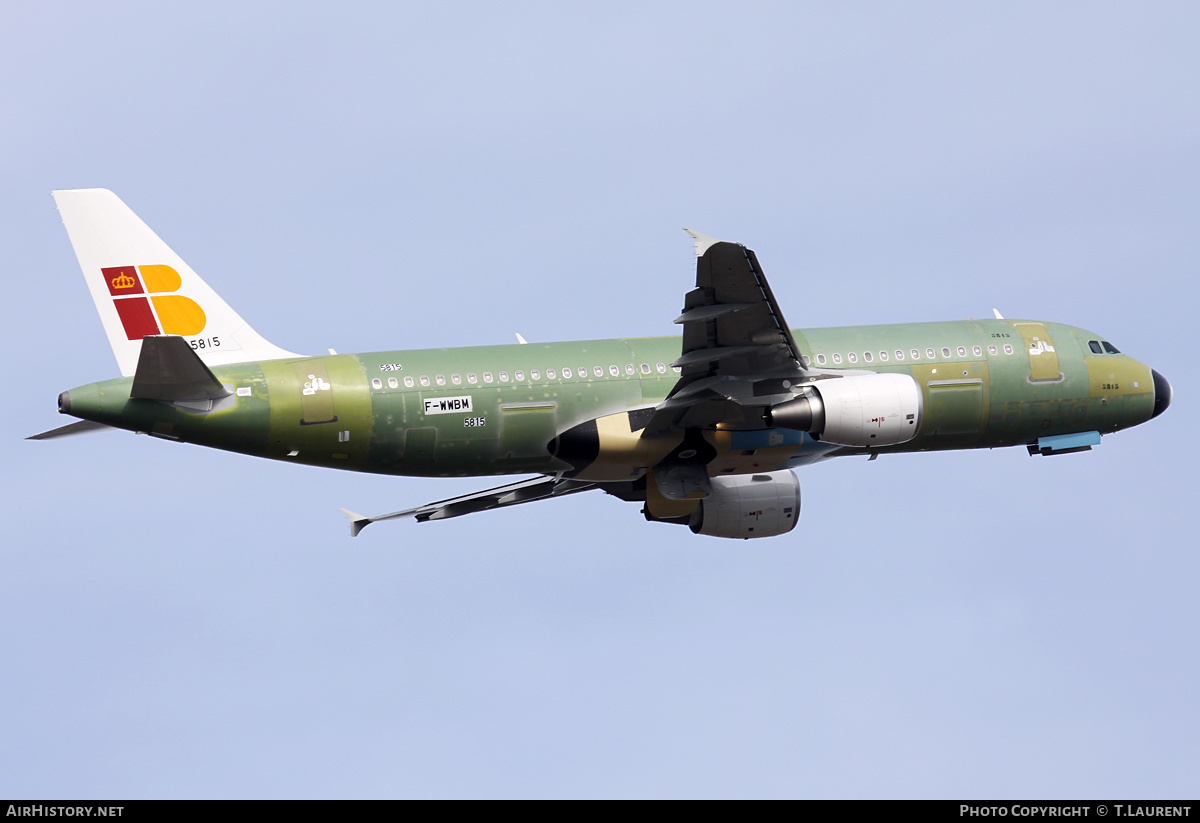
914	354
519	376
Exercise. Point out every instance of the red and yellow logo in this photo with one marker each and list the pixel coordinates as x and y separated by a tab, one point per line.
145	305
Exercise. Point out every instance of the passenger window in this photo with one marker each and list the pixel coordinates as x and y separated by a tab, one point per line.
1007	348
376	383
598	371
471	378
978	351
645	368
424	380
916	355
441	380
408	381
962	352
899	354
455	379
566	372
807	360
614	371
1110	348
661	368
837	358
883	356
821	359
992	350
868	356
853	357
534	374
629	369
392	383
945	352
519	376
930	354
550	374
487	377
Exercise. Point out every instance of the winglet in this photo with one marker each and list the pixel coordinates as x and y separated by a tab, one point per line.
703	241
996	312
521	339
357	521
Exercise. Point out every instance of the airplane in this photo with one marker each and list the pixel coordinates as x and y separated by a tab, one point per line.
703	430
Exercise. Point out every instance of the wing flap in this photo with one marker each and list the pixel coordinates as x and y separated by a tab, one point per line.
710	312
717	354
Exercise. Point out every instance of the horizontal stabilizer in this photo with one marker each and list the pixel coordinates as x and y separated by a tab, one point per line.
168	369
79	427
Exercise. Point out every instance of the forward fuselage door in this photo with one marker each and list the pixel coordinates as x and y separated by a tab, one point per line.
1043	359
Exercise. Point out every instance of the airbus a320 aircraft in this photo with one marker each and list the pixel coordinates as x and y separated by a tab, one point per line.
702	429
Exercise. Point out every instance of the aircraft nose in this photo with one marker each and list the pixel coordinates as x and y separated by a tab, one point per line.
1162	394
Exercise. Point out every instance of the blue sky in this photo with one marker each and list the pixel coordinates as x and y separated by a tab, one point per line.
176	622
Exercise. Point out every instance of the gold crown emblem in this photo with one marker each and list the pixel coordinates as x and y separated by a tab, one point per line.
123	281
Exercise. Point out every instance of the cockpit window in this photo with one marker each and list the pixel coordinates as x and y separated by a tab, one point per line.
1094	345
1110	348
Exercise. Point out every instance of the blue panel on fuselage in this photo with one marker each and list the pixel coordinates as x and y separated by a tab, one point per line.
1069	442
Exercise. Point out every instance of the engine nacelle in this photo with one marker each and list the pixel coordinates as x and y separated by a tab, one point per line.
863	410
749	505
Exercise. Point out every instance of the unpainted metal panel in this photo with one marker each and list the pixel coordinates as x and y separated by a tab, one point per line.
1043	359
955	409
316	393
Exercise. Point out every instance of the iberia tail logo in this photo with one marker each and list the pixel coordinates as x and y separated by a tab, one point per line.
142	295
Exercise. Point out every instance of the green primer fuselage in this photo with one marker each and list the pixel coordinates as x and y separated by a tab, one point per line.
494	410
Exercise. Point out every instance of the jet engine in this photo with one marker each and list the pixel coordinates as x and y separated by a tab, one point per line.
749	505
863	410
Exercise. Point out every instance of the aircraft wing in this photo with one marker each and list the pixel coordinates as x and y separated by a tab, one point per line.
524	491
739	357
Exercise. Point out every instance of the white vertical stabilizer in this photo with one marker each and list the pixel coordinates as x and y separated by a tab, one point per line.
142	288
